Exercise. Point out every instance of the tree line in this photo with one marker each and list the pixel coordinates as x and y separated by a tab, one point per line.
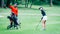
4	3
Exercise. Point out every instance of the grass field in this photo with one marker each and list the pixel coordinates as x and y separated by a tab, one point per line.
29	18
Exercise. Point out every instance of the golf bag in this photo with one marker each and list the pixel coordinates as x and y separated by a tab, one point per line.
14	19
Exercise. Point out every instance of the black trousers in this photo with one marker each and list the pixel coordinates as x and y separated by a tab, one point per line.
14	19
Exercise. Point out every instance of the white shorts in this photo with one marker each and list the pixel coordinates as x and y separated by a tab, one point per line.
44	18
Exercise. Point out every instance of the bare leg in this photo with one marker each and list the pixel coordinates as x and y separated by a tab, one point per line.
44	24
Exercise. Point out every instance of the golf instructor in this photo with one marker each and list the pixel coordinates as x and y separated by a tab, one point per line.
14	14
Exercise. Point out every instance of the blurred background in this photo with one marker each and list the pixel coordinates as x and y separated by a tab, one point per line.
30	3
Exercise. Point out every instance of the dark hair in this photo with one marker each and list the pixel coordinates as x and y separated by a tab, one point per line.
40	7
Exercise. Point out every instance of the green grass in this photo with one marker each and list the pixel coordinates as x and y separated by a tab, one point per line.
29	22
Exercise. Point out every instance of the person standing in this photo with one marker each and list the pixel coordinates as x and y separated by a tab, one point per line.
14	15
44	17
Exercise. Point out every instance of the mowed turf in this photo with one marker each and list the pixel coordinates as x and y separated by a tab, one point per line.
29	18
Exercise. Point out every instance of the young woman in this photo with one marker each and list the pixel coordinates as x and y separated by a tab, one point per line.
44	17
